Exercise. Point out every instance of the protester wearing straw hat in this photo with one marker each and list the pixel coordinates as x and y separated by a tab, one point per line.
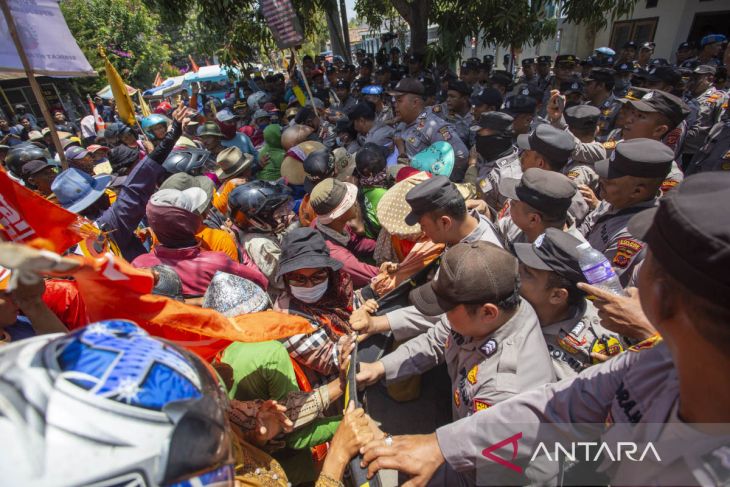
335	202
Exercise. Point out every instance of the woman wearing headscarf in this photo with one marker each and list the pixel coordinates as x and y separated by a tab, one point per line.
271	154
172	218
317	288
372	177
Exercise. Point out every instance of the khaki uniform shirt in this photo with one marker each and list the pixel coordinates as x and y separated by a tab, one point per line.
605	229
483	372
570	342
491	173
639	387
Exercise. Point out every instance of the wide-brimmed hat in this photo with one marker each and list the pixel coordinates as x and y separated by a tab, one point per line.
210	128
304	248
232	162
292	167
393	208
233	295
330	199
182	181
76	190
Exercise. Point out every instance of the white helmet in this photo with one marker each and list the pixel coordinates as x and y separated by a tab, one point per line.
110	405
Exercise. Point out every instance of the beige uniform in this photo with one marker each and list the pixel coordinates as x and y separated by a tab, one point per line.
483	372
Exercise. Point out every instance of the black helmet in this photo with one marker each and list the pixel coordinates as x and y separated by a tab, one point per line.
257	201
318	165
191	161
22	153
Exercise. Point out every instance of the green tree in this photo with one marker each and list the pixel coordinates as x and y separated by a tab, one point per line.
125	26
513	23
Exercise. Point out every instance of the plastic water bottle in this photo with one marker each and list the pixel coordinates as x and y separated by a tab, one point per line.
597	269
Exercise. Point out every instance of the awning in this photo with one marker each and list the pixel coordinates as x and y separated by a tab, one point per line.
211	73
106	92
170	86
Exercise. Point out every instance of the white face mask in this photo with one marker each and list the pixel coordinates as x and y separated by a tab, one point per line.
310	294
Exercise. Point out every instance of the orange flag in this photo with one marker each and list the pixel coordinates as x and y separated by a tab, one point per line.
26	216
113	289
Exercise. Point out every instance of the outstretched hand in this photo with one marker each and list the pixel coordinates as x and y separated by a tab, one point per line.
271	420
621	314
416	455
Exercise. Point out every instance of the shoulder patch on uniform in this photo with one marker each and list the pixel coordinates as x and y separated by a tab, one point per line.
457	398
579	327
572	174
726	156
472	375
436	109
606	345
480	405
650	342
626	249
668	185
445	133
609	144
489	348
569	343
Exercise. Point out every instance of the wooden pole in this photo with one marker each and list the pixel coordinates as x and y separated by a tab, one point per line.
306	83
34	86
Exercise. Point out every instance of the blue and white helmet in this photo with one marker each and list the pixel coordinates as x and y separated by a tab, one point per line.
110	405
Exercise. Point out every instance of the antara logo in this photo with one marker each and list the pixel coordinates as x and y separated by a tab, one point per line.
622	450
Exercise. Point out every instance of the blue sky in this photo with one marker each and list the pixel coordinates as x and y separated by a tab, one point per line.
350	9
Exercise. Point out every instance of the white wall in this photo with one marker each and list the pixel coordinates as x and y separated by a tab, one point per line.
675	21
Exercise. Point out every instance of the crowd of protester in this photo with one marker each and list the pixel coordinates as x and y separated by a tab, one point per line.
445	211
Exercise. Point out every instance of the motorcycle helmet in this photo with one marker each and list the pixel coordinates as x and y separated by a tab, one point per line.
192	161
372	90
255	204
114	132
152	120
109	404
22	153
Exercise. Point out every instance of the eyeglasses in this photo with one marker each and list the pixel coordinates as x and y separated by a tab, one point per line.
300	280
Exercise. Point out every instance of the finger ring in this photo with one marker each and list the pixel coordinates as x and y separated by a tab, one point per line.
389	440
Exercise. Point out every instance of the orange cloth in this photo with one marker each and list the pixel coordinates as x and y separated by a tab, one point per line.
26	216
218	241
220	198
306	212
422	254
112	289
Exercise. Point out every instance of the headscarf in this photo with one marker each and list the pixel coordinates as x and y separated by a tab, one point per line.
273	149
333	310
122	158
170	213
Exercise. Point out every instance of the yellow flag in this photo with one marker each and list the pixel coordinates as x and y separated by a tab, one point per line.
143	105
125	107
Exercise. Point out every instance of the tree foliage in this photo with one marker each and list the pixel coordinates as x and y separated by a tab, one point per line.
127	29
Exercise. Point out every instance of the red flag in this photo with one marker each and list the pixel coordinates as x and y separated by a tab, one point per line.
100	125
26	216
113	289
193	65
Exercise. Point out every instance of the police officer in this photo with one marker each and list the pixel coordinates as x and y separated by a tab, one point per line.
572	91
582	122
564	68
598	89
705	104
714	155
415	67
710	47
498	159
622	78
487	335
529	75
469	74
549	274
501	81
544	76
539	200
346	100
365	77
360	55
629	180
457	109
683	287
485	69
522	108
419	128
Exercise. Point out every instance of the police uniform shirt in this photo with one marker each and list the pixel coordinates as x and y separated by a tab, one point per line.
639	386
705	111
570	342
714	155
511	233
483	372
605	229
380	134
462	123
609	111
386	115
491	173
544	83
427	129
581	174
344	107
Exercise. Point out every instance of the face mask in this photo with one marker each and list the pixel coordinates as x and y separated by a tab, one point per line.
310	294
490	147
